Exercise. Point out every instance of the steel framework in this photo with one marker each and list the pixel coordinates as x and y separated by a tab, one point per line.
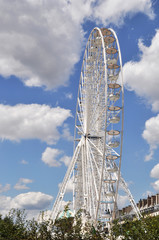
98	138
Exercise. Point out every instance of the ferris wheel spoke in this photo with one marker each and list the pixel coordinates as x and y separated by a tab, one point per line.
99	95
112	150
80	130
93	169
95	147
97	167
93	179
95	120
62	190
134	206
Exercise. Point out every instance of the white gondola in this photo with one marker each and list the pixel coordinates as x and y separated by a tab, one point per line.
112	157
110	193
108	40
114	85
111	50
114	119
114	96
106	32
113	132
113	77
109	180
112	170
112	61
114	144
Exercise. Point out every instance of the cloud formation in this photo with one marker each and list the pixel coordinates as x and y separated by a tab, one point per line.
41	41
49	157
151	135
4	188
115	12
155	171
32	121
155	185
142	76
24	162
122	201
31	202
22	184
155	174
66	160
69	187
66	133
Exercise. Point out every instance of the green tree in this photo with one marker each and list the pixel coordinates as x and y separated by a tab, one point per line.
146	228
13	226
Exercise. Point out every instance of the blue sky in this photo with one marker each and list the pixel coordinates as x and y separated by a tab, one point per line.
41	50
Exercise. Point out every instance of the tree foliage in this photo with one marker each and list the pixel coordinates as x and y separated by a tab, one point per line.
16	226
146	228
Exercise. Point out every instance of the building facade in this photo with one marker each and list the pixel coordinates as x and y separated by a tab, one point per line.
149	205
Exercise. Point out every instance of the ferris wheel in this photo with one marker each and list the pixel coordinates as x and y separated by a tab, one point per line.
98	138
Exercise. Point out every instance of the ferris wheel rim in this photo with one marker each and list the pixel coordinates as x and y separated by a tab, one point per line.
87	146
111	86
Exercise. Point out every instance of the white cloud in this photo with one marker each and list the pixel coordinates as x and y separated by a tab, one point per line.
151	135
155	171
5	204
147	193
32	202
69	96
149	156
122	201
22	184
151	132
49	157
66	160
66	133
155	185
4	188
24	162
69	187
115	11
155	174
41	41
44	215
32	121
142	76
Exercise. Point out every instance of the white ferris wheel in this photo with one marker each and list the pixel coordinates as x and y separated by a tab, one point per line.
96	162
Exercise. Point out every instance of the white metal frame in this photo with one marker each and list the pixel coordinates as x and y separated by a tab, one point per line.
96	163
